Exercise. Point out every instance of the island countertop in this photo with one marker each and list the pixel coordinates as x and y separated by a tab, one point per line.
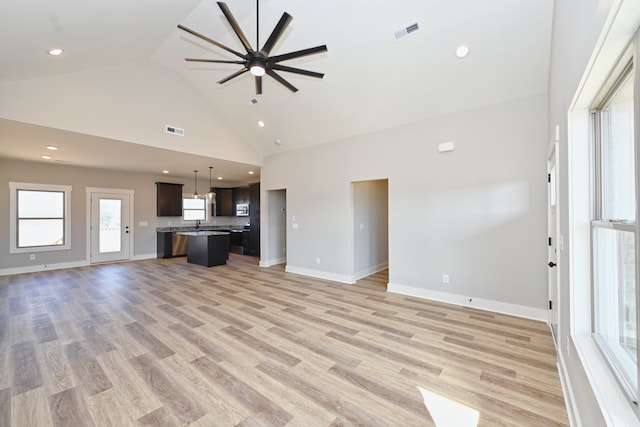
203	233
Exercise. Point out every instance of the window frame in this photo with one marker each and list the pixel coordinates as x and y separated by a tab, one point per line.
14	187
626	68
205	209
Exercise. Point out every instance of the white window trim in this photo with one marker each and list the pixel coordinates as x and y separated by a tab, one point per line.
13	216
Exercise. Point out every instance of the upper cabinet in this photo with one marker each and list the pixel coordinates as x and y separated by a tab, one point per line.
224	202
240	195
168	199
227	200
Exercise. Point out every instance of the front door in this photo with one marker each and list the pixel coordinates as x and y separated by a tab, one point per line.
110	229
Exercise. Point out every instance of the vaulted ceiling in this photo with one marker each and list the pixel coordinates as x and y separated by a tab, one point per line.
372	81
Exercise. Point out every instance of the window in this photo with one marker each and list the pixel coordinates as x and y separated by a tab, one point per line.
39	217
613	228
194	209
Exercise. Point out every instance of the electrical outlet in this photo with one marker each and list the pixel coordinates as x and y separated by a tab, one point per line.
32	257
317	260
445	278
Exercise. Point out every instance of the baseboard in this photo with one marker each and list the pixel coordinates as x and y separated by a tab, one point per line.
569	398
467	301
62	265
272	262
320	274
144	256
42	267
369	271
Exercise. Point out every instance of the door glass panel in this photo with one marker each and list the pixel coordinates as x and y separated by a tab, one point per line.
110	225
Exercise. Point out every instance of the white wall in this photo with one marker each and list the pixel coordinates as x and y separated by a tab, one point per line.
130	102
477	213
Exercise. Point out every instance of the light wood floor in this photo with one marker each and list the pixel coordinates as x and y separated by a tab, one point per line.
166	343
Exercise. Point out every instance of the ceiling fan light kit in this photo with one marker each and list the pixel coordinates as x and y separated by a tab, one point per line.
258	62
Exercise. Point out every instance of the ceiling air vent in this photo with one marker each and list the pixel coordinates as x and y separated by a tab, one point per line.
405	32
175	130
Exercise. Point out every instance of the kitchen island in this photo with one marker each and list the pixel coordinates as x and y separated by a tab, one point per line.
207	248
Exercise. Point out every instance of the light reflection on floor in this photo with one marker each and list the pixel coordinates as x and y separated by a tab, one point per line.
448	413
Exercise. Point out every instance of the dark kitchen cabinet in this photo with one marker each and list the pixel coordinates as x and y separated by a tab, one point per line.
253	238
224	202
168	199
240	195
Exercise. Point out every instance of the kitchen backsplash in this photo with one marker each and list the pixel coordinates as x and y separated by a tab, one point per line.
217	220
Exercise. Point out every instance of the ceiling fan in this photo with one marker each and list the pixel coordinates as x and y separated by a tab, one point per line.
258	62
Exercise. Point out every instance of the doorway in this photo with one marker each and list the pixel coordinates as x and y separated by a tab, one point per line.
277	241
110	233
552	227
370	227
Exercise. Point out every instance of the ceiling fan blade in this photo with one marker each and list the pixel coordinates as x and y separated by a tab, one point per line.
298	53
217	61
258	85
235	26
213	42
282	81
297	71
234	75
276	33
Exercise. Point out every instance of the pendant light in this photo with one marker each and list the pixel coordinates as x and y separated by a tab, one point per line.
211	195
195	184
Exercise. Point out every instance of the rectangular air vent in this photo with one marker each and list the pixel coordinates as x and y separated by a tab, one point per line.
175	130
406	31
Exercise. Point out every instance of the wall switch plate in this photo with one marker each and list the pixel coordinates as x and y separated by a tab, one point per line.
32	257
445	146
317	260
445	278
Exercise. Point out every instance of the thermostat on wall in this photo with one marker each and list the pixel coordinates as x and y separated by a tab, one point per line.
445	146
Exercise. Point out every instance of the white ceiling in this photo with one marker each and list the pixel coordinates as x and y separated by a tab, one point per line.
371	81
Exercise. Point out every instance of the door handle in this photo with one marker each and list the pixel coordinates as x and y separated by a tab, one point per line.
552	264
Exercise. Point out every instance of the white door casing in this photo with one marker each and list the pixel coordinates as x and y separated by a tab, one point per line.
552	231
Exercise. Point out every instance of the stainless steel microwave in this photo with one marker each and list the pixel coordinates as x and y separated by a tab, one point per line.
242	209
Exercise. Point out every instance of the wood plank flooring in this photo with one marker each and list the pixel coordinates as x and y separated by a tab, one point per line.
166	343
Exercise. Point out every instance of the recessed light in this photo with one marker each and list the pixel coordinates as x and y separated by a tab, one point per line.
51	147
260	123
44	156
277	141
220	178
55	52
462	51
251	172
165	171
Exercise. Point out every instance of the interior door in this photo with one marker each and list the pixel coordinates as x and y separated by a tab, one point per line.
552	226
110	229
